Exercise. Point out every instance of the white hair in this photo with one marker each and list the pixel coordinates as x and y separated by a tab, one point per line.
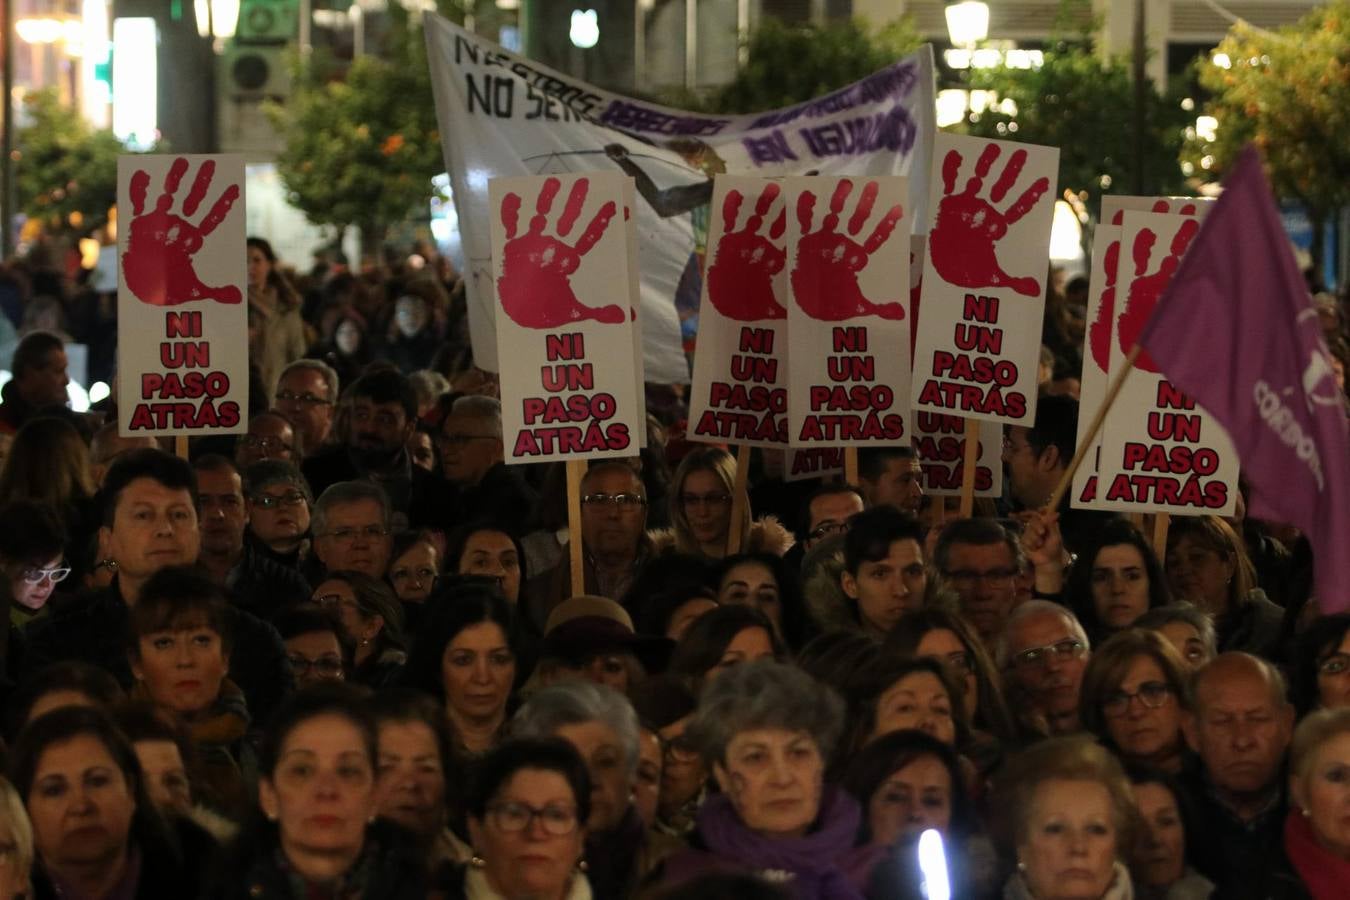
1003	649
489	409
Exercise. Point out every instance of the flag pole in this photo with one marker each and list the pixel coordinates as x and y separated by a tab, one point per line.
1085	444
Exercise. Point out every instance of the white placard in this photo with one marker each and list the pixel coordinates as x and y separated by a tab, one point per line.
940	444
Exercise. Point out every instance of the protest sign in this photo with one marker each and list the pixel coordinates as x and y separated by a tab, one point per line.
848	280
502	114
565	319
940	443
813	462
918	252
1101	316
983	293
739	392
182	350
1159	451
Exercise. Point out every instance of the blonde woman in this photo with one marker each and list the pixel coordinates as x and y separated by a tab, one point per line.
16	845
700	511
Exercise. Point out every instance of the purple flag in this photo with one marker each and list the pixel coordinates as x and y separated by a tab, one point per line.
1236	330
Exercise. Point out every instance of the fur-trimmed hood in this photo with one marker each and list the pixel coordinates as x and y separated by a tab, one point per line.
767	535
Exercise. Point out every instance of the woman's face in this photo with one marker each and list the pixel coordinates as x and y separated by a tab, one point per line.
1188	642
166	779
14	875
492	553
684	772
611	782
33	594
920	701
1333	675
315	657
913	799
413	574
1143	732
647	788
347	337
322	793
1324	792
706	505
609	669
753	584
748	645
944	646
1119	585
422	451
773	778
477	671
411	783
182	670
532	861
81	804
1069	850
1199	575
1160	855
339	596
258	268
686	614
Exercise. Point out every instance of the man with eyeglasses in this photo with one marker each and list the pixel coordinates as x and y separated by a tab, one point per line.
307	393
1043	653
472	459
351	522
255	582
271	435
979	559
828	510
383	415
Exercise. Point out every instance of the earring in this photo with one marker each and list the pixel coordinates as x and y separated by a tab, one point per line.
477	861
1307	813
1021	866
582	866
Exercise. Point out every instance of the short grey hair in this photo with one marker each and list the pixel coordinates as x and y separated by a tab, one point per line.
344	492
577	703
489	409
614	465
764	694
1003	650
13	814
977	532
1316	729
326	372
1186	614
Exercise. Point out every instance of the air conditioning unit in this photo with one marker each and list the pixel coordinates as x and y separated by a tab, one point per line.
267	21
254	72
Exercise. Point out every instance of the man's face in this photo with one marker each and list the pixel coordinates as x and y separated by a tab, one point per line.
469	447
303	396
1052	679
269	437
610	528
220	493
355	537
45	385
379	430
984	578
897	485
829	515
1027	469
1239	730
153	526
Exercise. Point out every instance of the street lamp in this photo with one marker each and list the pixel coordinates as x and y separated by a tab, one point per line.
216	18
967	22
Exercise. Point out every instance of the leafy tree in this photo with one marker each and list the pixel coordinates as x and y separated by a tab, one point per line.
1289	93
65	175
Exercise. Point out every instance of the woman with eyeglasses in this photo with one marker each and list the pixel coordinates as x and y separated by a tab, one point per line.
32	555
373	621
278	500
317	647
413	569
1321	665
700	511
528	804
1134	697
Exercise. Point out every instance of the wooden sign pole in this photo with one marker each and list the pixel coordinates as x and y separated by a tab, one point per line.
739	499
968	464
180	446
1085	442
576	469
1161	522
851	466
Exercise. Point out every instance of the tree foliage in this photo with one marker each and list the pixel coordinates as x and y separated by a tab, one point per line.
362	149
1289	93
66	172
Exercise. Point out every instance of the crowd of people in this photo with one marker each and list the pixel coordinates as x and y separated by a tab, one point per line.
341	656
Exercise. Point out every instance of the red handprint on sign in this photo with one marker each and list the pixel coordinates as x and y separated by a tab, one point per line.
740	280
825	278
158	266
535	284
1146	289
961	247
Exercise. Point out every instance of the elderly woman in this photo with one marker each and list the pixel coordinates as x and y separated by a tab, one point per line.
529	802
179	647
1207	564
278	505
767	728
316	833
1159	858
317	647
1071	815
603	727
96	832
16	845
373	620
1317	832
1189	629
1115	581
700	511
1134	697
1321	664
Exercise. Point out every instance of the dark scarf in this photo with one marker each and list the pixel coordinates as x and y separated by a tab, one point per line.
612	857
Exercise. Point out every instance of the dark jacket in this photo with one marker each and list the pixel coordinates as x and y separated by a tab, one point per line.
261	585
94	630
1254	627
502	497
426	499
1239	857
169	862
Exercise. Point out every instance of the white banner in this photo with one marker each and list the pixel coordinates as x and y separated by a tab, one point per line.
182	348
501	114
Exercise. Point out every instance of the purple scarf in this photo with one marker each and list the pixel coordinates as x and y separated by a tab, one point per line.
820	865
